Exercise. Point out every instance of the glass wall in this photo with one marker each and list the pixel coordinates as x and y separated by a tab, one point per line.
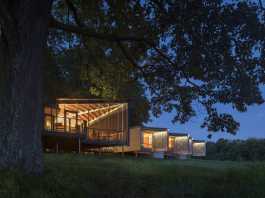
99	122
182	145
49	118
171	143
160	141
147	140
199	149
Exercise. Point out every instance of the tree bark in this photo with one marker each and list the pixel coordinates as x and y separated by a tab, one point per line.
23	35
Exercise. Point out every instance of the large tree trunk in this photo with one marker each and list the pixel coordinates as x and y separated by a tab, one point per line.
23	35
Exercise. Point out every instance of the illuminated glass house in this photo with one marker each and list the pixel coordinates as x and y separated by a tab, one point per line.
146	140
179	144
82	124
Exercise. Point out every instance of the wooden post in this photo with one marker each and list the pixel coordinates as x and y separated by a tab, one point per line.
79	145
65	120
76	124
122	126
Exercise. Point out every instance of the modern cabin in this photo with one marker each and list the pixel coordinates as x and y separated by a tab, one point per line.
179	144
198	148
154	139
146	140
82	124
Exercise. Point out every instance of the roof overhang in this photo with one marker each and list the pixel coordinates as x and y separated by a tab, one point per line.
179	135
90	110
199	141
154	129
87	101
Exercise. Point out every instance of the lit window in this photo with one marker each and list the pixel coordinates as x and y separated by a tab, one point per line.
147	140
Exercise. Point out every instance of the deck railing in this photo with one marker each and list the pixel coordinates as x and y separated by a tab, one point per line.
104	136
93	135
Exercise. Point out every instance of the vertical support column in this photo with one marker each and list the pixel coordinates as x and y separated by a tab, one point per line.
87	123
52	119
50	114
56	117
79	145
152	142
65	120
76	124
122	128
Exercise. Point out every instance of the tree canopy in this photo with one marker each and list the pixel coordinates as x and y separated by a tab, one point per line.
236	150
207	52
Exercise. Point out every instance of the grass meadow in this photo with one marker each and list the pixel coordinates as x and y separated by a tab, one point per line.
85	176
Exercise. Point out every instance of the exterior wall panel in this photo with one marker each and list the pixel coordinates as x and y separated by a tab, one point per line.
198	149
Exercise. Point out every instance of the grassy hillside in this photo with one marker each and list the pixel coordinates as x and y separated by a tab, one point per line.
87	176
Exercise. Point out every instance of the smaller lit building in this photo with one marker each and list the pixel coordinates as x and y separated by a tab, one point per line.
146	140
154	139
198	148
179	144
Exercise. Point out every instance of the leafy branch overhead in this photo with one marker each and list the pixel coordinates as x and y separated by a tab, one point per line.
206	51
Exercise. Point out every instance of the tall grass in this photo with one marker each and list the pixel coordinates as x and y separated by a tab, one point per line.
88	176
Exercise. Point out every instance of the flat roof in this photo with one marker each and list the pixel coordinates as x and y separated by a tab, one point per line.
198	141
178	134
88	111
154	128
88	101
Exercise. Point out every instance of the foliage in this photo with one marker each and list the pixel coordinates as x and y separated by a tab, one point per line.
207	51
70	75
237	150
91	176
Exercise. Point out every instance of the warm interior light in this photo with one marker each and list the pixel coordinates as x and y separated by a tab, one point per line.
199	148
171	142
159	133
48	123
147	140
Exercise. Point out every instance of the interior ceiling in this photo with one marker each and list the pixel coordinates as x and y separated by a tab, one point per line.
90	112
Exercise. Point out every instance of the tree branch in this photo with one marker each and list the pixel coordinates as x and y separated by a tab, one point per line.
127	55
261	4
130	58
53	23
74	11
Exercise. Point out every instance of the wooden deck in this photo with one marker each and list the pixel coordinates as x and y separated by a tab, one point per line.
77	142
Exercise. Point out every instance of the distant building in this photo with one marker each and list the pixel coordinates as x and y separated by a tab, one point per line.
198	148
179	144
146	140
